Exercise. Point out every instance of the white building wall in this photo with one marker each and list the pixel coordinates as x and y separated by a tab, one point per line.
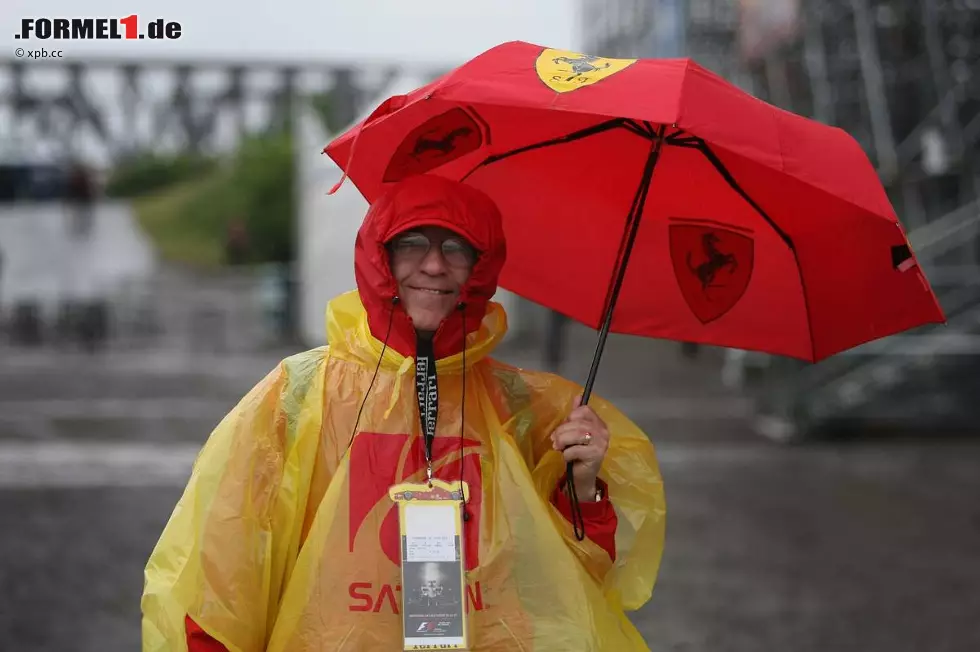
44	262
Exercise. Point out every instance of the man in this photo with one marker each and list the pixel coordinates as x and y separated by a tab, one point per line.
285	538
81	191
554	346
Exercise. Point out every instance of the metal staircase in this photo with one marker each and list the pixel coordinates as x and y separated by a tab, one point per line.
924	377
902	77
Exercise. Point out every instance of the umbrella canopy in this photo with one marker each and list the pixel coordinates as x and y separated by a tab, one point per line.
744	225
653	198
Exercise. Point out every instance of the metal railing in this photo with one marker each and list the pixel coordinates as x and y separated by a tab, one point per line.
233	311
793	394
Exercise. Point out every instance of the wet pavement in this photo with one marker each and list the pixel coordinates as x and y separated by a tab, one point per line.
871	545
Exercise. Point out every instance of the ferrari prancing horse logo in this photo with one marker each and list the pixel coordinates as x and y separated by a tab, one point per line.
565	71
713	266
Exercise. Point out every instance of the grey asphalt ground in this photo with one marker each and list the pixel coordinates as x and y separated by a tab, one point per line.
868	545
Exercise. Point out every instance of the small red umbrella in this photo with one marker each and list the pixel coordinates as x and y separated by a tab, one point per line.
744	225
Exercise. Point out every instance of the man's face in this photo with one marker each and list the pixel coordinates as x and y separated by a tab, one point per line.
430	265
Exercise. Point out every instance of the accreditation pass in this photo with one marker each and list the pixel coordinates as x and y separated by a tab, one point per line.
433	577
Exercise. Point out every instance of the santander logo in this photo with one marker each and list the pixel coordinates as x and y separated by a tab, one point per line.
378	461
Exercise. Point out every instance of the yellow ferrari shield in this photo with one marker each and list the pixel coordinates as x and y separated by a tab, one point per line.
565	71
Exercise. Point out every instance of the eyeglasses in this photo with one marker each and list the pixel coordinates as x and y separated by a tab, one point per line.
415	247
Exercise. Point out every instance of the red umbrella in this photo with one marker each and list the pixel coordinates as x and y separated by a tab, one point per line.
744	225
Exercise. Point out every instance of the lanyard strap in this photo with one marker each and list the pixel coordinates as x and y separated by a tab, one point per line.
427	391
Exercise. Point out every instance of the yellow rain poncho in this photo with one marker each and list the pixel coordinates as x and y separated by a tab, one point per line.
285	538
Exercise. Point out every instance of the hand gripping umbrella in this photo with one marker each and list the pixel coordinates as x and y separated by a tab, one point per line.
655	188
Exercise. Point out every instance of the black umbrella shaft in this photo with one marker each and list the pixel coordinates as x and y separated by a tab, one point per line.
629	237
626	247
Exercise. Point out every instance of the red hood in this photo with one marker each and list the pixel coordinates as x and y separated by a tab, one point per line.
428	201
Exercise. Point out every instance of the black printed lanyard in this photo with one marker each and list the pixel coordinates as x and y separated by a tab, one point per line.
427	390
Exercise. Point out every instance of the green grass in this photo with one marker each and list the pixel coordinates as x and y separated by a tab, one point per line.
188	221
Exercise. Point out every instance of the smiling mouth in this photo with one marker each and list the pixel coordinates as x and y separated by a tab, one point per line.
434	291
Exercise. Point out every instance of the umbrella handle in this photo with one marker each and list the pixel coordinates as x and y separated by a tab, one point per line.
629	238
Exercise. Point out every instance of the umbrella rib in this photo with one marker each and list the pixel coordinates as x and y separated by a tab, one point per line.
638	129
687	141
730	180
561	140
727	176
